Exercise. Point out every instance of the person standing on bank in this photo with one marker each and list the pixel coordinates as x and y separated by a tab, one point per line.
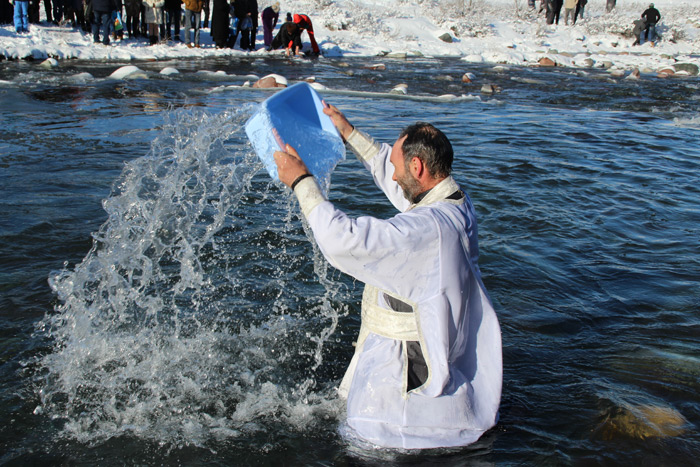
220	23
21	16
427	369
153	18
173	15
247	13
193	14
569	9
651	16
270	16
101	19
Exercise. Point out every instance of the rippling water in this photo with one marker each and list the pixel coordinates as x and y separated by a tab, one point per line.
160	300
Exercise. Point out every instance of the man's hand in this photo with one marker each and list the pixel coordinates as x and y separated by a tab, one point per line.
341	123
289	165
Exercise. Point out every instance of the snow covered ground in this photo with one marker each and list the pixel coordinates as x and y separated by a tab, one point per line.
488	31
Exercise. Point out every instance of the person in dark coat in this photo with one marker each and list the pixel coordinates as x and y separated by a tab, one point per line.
269	16
101	17
579	9
7	12
173	13
639	27
205	21
33	12
555	11
220	23
74	12
289	37
651	16
48	10
133	12
247	13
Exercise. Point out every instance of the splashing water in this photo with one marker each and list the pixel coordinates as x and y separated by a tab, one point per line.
196	315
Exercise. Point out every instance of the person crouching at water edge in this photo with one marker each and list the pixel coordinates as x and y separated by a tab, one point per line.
427	369
304	23
289	37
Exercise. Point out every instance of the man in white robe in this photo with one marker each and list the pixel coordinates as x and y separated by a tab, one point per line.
427	368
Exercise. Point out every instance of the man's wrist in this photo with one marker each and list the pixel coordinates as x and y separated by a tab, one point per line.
299	179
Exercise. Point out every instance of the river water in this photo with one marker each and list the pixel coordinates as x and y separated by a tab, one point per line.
161	301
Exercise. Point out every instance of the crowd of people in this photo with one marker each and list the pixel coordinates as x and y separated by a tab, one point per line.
162	21
573	9
644	28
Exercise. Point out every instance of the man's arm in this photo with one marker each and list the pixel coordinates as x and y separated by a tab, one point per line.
374	157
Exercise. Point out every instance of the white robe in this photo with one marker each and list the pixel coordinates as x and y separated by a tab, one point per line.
426	256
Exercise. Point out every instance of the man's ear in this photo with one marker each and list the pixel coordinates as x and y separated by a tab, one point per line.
417	167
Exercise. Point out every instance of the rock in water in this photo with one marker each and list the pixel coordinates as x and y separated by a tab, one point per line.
129	72
634	74
691	68
400	89
642	422
271	81
490	89
468	77
49	63
546	61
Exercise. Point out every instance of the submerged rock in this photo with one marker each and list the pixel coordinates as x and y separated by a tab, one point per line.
490	89
400	89
82	77
377	67
641	422
169	71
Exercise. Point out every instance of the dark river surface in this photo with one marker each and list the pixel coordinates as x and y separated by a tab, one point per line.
161	303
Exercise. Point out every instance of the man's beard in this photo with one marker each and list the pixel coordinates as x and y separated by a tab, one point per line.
410	186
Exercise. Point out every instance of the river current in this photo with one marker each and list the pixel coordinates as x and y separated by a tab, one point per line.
162	301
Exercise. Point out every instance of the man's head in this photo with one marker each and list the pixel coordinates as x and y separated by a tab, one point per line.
651	5
291	27
422	157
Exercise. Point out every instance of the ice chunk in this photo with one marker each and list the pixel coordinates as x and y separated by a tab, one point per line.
297	115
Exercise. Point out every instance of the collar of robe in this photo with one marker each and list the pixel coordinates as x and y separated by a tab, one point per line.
440	192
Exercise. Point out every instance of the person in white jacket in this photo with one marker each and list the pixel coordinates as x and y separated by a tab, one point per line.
427	369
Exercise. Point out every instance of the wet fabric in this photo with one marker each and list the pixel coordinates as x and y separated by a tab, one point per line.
427	258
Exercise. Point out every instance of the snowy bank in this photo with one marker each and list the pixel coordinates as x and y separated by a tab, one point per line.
486	31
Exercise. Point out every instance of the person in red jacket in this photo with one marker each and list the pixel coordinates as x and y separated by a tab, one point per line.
304	23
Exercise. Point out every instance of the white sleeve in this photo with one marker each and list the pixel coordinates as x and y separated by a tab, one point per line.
393	254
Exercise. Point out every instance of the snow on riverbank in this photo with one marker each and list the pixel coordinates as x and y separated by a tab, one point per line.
488	31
